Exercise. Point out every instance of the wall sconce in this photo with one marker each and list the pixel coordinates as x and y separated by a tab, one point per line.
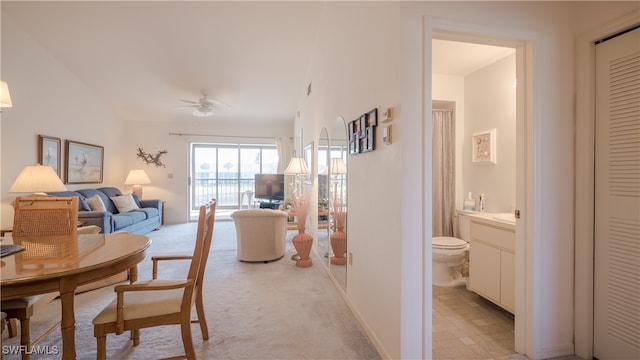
5	97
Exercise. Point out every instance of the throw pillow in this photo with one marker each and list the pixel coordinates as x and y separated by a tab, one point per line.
135	198
82	204
124	203
96	203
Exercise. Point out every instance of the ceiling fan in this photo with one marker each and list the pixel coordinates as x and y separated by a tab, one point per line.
204	106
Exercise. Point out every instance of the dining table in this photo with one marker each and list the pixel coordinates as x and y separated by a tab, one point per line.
61	266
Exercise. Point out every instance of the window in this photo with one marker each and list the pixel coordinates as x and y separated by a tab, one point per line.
224	171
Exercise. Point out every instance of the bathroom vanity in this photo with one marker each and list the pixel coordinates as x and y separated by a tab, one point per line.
492	258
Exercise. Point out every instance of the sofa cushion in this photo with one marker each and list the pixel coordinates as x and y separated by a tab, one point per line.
96	203
136	199
128	219
149	212
82	203
121	221
124	203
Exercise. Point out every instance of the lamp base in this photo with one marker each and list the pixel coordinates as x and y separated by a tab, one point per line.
137	189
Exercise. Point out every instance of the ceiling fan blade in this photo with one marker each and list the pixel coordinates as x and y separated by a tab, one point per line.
219	104
190	101
188	106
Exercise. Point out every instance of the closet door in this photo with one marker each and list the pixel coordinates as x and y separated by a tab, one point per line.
617	199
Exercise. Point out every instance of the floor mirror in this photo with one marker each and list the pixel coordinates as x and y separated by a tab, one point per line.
338	202
322	168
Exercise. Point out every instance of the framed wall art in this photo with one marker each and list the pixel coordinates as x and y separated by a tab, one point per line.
49	152
362	132
483	147
83	163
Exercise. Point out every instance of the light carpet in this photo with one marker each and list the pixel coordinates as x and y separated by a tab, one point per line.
254	310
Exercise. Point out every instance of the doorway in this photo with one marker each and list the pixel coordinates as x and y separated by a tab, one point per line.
515	155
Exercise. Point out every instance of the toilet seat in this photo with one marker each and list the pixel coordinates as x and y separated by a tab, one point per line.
448	243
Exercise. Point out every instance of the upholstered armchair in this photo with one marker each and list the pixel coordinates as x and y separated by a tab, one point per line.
260	234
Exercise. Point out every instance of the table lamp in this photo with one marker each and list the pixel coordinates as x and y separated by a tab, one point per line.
5	97
37	179
137	178
297	166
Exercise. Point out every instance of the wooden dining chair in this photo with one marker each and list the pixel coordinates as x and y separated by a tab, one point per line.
38	224
160	302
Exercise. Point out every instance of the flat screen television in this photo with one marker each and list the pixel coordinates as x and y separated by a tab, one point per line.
269	187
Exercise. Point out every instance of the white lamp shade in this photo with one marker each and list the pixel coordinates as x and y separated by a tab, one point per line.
338	166
5	97
297	166
137	177
37	178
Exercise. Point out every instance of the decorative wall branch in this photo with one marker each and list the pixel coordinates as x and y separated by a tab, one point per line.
150	158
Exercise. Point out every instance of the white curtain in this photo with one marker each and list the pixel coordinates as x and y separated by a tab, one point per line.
284	147
444	130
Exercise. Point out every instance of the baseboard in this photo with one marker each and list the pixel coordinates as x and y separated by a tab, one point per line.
559	350
370	334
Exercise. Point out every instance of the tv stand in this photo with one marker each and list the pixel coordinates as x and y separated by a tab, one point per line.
270	204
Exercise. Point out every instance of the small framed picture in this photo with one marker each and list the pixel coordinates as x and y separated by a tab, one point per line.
363	126
83	163
353	146
49	152
483	147
372	118
369	140
351	130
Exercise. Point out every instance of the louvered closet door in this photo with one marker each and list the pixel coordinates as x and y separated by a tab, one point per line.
617	199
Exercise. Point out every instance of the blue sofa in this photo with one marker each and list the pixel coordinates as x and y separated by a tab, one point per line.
139	221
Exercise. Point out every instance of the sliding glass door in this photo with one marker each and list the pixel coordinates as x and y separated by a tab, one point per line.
225	171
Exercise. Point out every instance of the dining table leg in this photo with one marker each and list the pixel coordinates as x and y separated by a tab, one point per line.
68	325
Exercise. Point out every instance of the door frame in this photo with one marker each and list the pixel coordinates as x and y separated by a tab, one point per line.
525	177
584	180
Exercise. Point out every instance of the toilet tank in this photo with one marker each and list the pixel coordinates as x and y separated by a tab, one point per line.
462	226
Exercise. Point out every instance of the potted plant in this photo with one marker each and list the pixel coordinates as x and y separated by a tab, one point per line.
323	203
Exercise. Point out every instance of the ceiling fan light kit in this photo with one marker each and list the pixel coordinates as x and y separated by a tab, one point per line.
203	111
204	106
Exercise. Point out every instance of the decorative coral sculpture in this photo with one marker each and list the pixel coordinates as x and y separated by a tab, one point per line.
151	158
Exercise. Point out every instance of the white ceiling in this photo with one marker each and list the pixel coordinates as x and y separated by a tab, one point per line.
143	57
461	59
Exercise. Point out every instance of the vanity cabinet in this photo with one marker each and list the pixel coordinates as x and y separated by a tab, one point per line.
492	262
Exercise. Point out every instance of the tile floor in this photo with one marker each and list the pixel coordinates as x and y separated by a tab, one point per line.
466	326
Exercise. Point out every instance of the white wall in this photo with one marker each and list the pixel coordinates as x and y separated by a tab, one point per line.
49	100
490	103
355	69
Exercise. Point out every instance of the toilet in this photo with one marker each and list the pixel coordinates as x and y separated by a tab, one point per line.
449	253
